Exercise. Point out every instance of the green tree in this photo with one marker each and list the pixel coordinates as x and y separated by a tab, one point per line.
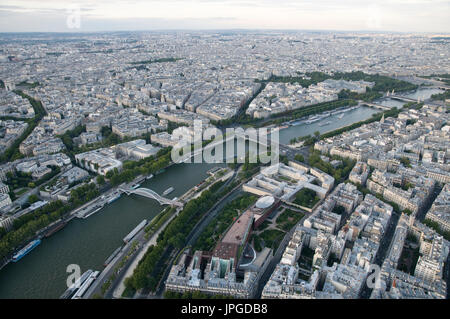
299	158
33	199
101	180
405	161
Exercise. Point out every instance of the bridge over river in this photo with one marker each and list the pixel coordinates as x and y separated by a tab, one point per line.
146	192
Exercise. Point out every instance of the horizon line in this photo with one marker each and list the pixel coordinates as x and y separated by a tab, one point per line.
228	29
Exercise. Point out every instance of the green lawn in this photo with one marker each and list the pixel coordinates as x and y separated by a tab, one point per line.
307	198
272	238
21	191
289	219
128	292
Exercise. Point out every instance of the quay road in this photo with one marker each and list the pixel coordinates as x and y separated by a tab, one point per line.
192	238
207	218
118	286
96	287
144	246
205	222
195	232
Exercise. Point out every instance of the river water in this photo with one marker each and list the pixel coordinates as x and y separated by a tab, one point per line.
423	93
303	129
89	242
351	117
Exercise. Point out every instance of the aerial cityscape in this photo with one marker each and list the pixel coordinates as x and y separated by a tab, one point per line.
348	197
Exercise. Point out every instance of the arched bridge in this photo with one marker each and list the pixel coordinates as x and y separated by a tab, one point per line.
152	195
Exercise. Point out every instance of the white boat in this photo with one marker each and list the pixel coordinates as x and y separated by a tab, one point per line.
87	283
168	191
93	212
297	123
19	255
313	121
114	198
135	231
325	124
76	285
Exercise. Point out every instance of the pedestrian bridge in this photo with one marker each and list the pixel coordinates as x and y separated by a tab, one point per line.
152	195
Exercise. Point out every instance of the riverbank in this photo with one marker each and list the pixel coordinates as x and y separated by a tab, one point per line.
298	129
42	273
144	243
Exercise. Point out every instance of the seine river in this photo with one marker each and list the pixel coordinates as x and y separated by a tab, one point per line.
303	129
350	117
89	242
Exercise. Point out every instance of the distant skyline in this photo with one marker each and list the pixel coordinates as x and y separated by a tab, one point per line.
129	15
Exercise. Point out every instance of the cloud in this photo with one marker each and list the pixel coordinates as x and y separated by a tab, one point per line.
389	15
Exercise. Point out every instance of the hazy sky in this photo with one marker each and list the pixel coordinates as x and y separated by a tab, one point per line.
110	15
